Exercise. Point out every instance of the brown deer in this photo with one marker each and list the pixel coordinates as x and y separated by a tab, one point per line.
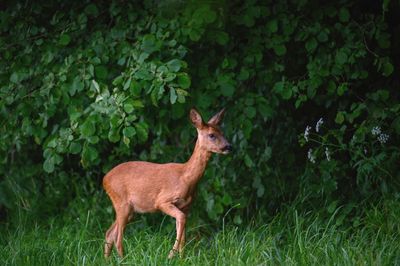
144	187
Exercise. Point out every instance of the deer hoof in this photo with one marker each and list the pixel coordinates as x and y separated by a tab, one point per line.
172	253
107	250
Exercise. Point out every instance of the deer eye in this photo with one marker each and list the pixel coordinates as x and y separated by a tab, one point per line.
211	136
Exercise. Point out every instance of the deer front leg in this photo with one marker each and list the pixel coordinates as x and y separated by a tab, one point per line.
185	210
171	210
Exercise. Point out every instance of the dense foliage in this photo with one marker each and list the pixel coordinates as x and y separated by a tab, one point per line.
85	86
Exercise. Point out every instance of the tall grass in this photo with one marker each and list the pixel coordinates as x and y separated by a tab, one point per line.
291	238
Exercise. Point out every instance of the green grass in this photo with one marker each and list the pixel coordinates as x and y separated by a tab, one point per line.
289	239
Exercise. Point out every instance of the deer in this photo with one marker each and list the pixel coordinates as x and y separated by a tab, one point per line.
146	187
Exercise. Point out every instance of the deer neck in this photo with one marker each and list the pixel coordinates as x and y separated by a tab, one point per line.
195	166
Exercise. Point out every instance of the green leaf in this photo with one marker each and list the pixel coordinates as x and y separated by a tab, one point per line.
93	139
128	107
126	140
331	87
265	110
280	49
118	80
332	206
114	136
14	78
127	83
135	88
76	86
383	40
244	74
272	26
182	92
226	199
174	65
183	80
195	34
91	10
143	56
75	147
129	131
87	128
344	14
387	69
149	44
96	85
181	95
100	72
52	143
227	88
172	95
311	91
222	38
115	121
311	44
248	20
322	36
341	89
287	93
341	57
89	154
237	220
250	111
205	14
396	125
247	127
209	16
339	118
302	98
260	190
144	74
48	165
141	131
279	86
137	103
248	161
64	39
90	69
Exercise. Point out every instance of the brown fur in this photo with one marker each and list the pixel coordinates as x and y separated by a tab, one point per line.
144	187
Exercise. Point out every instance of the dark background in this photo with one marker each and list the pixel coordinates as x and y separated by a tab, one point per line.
87	85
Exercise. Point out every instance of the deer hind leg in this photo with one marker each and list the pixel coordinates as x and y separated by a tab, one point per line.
182	242
111	237
124	214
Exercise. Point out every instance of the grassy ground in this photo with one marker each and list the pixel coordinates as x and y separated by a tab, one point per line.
289	239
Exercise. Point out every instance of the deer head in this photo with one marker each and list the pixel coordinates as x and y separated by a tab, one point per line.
210	137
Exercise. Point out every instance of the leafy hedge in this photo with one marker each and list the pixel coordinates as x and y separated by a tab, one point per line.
85	86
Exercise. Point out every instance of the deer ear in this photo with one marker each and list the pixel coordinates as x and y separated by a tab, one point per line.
196	119
216	119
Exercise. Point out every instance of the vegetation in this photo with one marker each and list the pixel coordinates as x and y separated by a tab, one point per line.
290	238
313	112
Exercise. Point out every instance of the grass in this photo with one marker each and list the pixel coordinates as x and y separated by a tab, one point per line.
289	239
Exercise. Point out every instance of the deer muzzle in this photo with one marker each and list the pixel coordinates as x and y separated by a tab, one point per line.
227	149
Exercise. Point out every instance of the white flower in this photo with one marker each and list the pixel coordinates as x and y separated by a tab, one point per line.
327	154
318	125
376	131
307	133
383	138
310	156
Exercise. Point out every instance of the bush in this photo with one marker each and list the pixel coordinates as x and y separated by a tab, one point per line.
85	89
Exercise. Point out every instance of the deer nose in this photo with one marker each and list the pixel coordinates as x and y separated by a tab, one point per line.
227	148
